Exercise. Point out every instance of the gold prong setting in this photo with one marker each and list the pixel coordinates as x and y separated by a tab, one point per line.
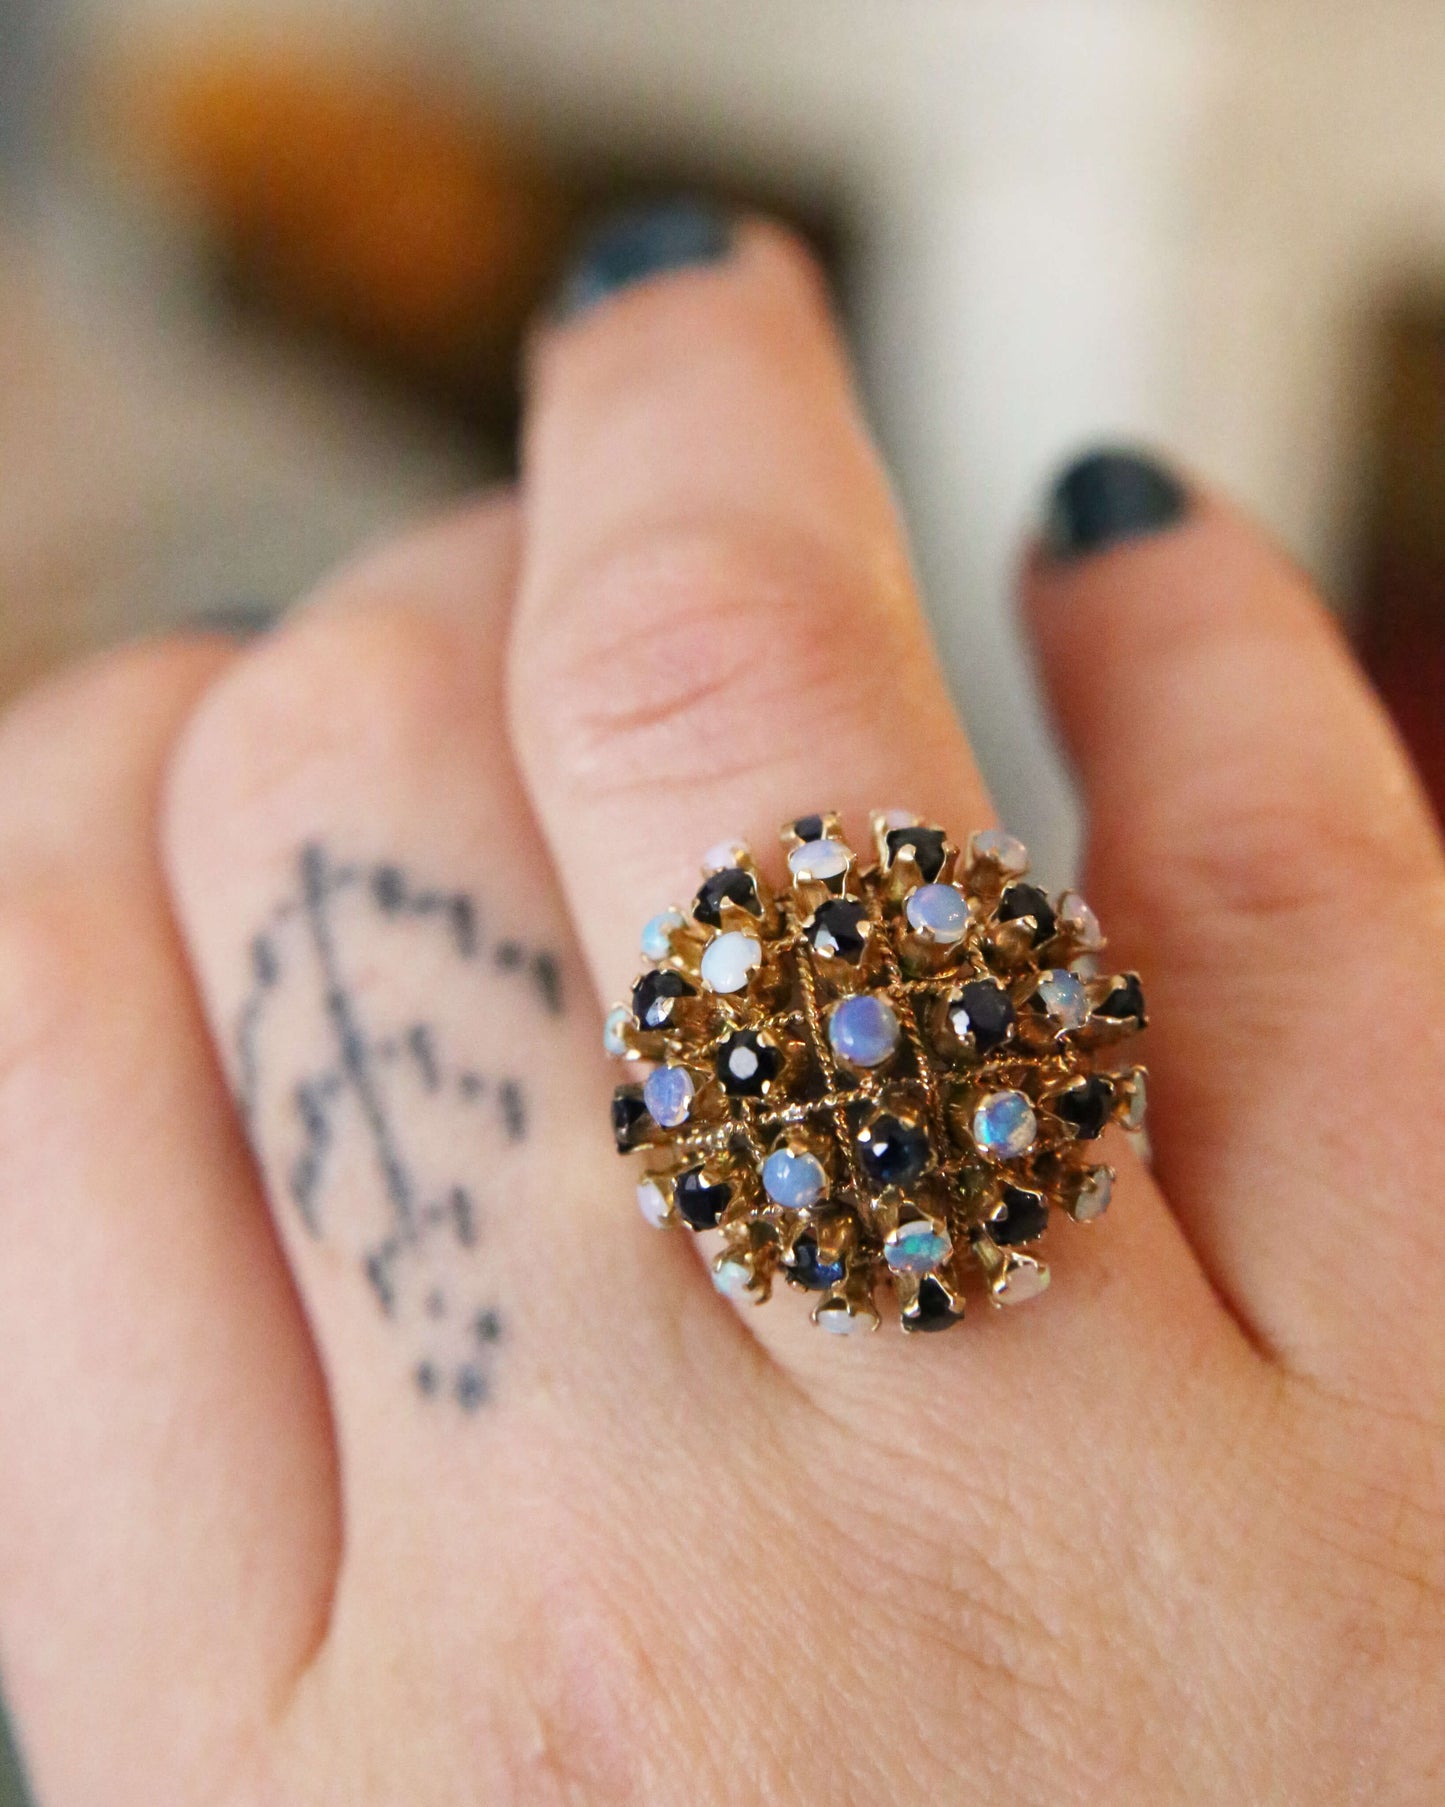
883	1077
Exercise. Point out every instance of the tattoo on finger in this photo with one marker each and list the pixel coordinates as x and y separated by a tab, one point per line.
357	1059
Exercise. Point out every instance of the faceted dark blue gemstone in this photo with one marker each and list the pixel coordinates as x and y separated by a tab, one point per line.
808	1267
731	885
1022	1215
747	1065
988	1012
837	929
632	1125
1085	1106
892	1150
1125	1003
925	844
654	994
809	828
1019	901
699	1204
933	1311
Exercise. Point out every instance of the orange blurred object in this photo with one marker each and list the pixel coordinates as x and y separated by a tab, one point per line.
378	207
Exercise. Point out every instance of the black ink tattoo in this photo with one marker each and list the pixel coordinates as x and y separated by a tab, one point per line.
370	1099
395	896
514	1110
351	1043
423	1052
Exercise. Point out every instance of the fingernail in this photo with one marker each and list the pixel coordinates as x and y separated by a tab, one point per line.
633	247
240	620
1110	496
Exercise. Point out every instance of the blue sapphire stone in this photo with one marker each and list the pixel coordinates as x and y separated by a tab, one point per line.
1022	1216
933	1309
654	995
632	1122
732	885
892	1150
1125	1003
746	1064
1028	902
984	1011
837	930
925	844
1085	1106
808	1267
700	1205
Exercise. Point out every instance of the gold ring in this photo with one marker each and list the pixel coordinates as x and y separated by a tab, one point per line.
882	1075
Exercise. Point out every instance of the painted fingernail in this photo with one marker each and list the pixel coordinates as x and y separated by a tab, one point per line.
1109	496
240	620
633	247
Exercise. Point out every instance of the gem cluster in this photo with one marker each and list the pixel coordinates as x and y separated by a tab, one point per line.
886	1076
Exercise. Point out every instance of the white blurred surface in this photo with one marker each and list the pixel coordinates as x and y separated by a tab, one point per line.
1169	219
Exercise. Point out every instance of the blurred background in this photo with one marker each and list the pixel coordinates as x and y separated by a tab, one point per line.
265	265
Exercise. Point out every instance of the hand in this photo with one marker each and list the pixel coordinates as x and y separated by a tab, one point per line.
359	1444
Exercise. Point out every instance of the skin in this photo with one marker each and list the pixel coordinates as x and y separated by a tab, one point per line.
358	1443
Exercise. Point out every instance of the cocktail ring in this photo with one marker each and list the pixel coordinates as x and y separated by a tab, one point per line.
883	1074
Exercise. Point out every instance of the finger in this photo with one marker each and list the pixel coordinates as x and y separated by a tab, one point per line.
165	1452
717	631
716	600
1262	850
389	975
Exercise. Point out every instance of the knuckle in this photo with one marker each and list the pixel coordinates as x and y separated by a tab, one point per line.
1273	847
1265	859
293	719
1304	860
1287	807
672	661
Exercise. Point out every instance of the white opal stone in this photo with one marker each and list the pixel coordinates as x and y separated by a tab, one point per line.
1063	996
652	1203
899	818
723	854
1093	1196
938	913
917	1248
1023	1279
838	1320
668	1094
657	936
863	1030
1004	1125
794	1178
1007	853
728	961
618	1018
1074	912
820	860
732	1277
1135	1088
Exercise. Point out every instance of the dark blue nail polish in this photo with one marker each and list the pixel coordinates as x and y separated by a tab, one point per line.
644	242
1110	496
241	620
